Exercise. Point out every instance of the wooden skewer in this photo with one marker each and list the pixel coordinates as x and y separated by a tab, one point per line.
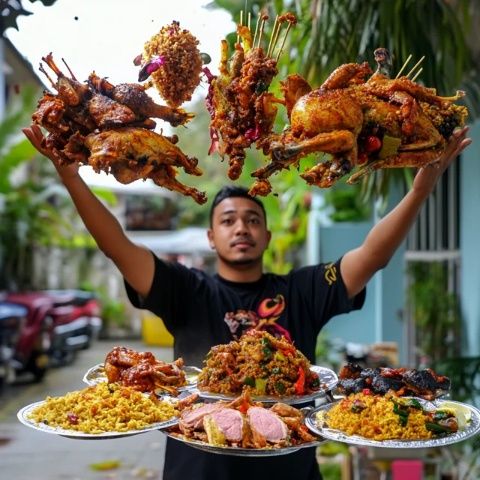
249	21
415	66
404	65
256	31
283	42
240	23
271	45
417	74
262	26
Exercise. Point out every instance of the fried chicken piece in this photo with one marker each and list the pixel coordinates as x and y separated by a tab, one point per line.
134	96
136	153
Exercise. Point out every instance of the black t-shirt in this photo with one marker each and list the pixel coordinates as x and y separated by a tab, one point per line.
201	310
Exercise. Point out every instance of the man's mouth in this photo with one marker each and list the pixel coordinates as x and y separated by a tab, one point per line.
242	243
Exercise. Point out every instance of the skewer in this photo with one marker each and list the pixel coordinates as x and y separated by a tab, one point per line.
256	31
273	37
415	66
404	65
417	74
262	26
284	40
249	20
240	23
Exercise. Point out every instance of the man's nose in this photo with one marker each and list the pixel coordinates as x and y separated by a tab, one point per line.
240	226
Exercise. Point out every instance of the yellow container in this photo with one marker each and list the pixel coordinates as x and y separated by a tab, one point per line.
154	331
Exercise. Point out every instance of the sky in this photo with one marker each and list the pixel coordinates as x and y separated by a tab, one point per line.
106	35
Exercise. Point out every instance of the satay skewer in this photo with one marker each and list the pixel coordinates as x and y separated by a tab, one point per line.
405	63
415	66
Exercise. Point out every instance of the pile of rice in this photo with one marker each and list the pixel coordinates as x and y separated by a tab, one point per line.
182	64
377	421
103	408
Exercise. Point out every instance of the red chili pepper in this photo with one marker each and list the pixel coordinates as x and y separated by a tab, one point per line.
300	383
366	391
362	158
372	144
244	406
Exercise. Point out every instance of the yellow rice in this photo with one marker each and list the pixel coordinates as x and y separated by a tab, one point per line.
103	408
377	421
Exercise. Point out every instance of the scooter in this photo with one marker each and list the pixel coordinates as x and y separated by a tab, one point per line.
59	323
12	319
77	322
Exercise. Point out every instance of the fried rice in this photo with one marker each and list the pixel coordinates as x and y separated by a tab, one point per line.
181	63
376	417
260	362
103	408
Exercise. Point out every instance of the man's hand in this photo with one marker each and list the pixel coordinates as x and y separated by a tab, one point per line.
36	138
427	176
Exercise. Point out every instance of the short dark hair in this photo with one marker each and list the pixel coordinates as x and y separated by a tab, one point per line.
232	191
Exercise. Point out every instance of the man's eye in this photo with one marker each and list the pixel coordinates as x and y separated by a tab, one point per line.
226	221
255	221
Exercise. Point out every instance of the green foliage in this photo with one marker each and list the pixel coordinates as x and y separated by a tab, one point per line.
32	205
345	204
11	10
435	310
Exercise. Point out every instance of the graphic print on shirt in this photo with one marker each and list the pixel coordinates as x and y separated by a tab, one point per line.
330	273
265	318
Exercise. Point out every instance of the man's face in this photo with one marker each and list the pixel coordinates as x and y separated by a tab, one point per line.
239	233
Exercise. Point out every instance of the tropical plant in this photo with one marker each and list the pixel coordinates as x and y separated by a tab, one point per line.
12	9
436	311
34	209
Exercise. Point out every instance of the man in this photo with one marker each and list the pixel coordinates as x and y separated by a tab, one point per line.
201	310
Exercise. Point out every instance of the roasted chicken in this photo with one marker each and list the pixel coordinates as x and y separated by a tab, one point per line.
110	128
143	372
363	123
359	120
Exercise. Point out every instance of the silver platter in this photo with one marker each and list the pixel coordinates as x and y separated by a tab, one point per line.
96	375
241	452
328	380
24	413
472	428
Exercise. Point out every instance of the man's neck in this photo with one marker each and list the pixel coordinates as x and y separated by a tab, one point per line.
240	273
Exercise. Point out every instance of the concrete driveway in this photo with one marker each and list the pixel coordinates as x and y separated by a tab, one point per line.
27	454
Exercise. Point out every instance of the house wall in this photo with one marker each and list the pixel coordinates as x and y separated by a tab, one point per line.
470	243
380	318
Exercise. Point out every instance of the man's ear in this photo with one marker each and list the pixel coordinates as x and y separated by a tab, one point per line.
269	237
210	238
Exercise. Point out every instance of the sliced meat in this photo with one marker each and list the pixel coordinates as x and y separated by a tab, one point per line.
193	419
230	422
267	424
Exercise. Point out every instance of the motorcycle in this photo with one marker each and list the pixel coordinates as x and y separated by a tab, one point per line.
59	323
12	319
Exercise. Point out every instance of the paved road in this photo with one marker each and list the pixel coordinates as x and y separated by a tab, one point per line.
27	454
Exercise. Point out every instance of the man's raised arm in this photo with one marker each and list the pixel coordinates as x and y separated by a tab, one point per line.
360	264
134	262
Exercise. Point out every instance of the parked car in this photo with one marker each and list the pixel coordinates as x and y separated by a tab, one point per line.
59	323
12	319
